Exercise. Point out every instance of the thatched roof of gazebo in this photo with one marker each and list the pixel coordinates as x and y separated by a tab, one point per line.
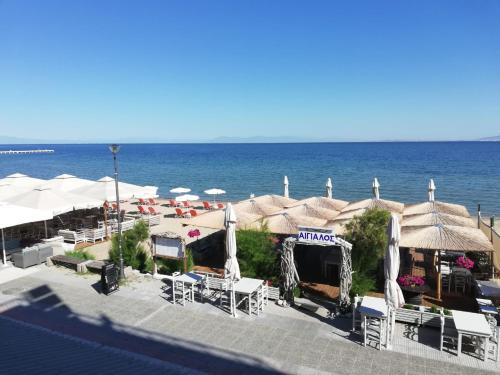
445	237
256	207
437	218
439	207
322	202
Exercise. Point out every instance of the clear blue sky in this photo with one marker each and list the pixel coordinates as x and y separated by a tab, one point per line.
202	69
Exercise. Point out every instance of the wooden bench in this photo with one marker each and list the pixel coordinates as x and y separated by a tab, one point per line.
66	261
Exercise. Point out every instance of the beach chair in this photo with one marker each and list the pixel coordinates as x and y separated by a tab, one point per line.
142	211
193	213
220	206
173	203
152	201
152	211
207	206
142	201
186	204
180	213
114	206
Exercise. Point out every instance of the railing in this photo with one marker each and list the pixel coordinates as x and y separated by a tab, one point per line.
494	237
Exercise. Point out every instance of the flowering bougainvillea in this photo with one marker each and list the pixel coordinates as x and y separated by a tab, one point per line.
409	280
194	233
464	262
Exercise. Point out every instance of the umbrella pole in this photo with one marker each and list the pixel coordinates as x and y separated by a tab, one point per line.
4	257
45	224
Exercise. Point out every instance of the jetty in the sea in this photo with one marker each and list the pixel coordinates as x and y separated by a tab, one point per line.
12	152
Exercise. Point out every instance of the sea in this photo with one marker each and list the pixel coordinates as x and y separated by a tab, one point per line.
467	173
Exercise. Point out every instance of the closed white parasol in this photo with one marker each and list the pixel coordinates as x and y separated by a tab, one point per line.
392	292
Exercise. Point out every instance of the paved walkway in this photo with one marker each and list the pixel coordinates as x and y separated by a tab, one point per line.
201	337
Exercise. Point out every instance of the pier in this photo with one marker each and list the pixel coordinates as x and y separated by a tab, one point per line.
12	152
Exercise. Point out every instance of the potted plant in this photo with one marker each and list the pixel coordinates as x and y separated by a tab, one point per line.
413	288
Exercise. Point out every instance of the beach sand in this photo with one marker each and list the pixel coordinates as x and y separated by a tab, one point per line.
167	224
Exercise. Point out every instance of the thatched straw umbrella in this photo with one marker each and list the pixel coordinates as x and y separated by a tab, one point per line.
273	200
436	207
255	207
435	218
309	211
366	204
445	238
433	206
215	219
285	223
322	202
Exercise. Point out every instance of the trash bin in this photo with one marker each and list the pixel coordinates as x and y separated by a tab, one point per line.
109	278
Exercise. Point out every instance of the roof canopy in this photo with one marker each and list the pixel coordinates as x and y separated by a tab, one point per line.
322	202
67	182
437	207
436	218
12	215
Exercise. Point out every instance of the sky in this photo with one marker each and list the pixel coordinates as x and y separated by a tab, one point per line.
198	70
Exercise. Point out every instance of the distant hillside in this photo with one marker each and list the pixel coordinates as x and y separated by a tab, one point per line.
491	139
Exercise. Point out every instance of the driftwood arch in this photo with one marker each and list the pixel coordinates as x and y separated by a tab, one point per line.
289	277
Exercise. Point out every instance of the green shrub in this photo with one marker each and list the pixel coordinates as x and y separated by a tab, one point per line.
367	234
257	254
296	292
134	254
80	254
361	284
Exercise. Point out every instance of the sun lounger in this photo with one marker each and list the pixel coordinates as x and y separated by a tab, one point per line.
152	211
193	213
180	213
152	201
186	204
114	206
207	206
142	201
173	203
220	206
142	211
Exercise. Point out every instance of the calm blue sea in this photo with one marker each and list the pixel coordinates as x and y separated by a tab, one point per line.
464	172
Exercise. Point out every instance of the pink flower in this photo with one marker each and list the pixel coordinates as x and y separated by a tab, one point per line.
464	262
194	233
409	280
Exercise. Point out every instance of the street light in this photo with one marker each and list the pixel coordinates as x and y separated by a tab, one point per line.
114	150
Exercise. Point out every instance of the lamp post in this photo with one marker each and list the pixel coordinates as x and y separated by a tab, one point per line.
114	148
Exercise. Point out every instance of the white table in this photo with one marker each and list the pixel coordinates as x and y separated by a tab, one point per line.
189	278
247	287
373	307
471	324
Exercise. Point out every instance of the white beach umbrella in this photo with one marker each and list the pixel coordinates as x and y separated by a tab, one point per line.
12	215
67	182
214	192
180	190
104	190
392	292
19	179
329	188
376	188
285	187
7	190
187	197
231	268
147	192
432	189
53	200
